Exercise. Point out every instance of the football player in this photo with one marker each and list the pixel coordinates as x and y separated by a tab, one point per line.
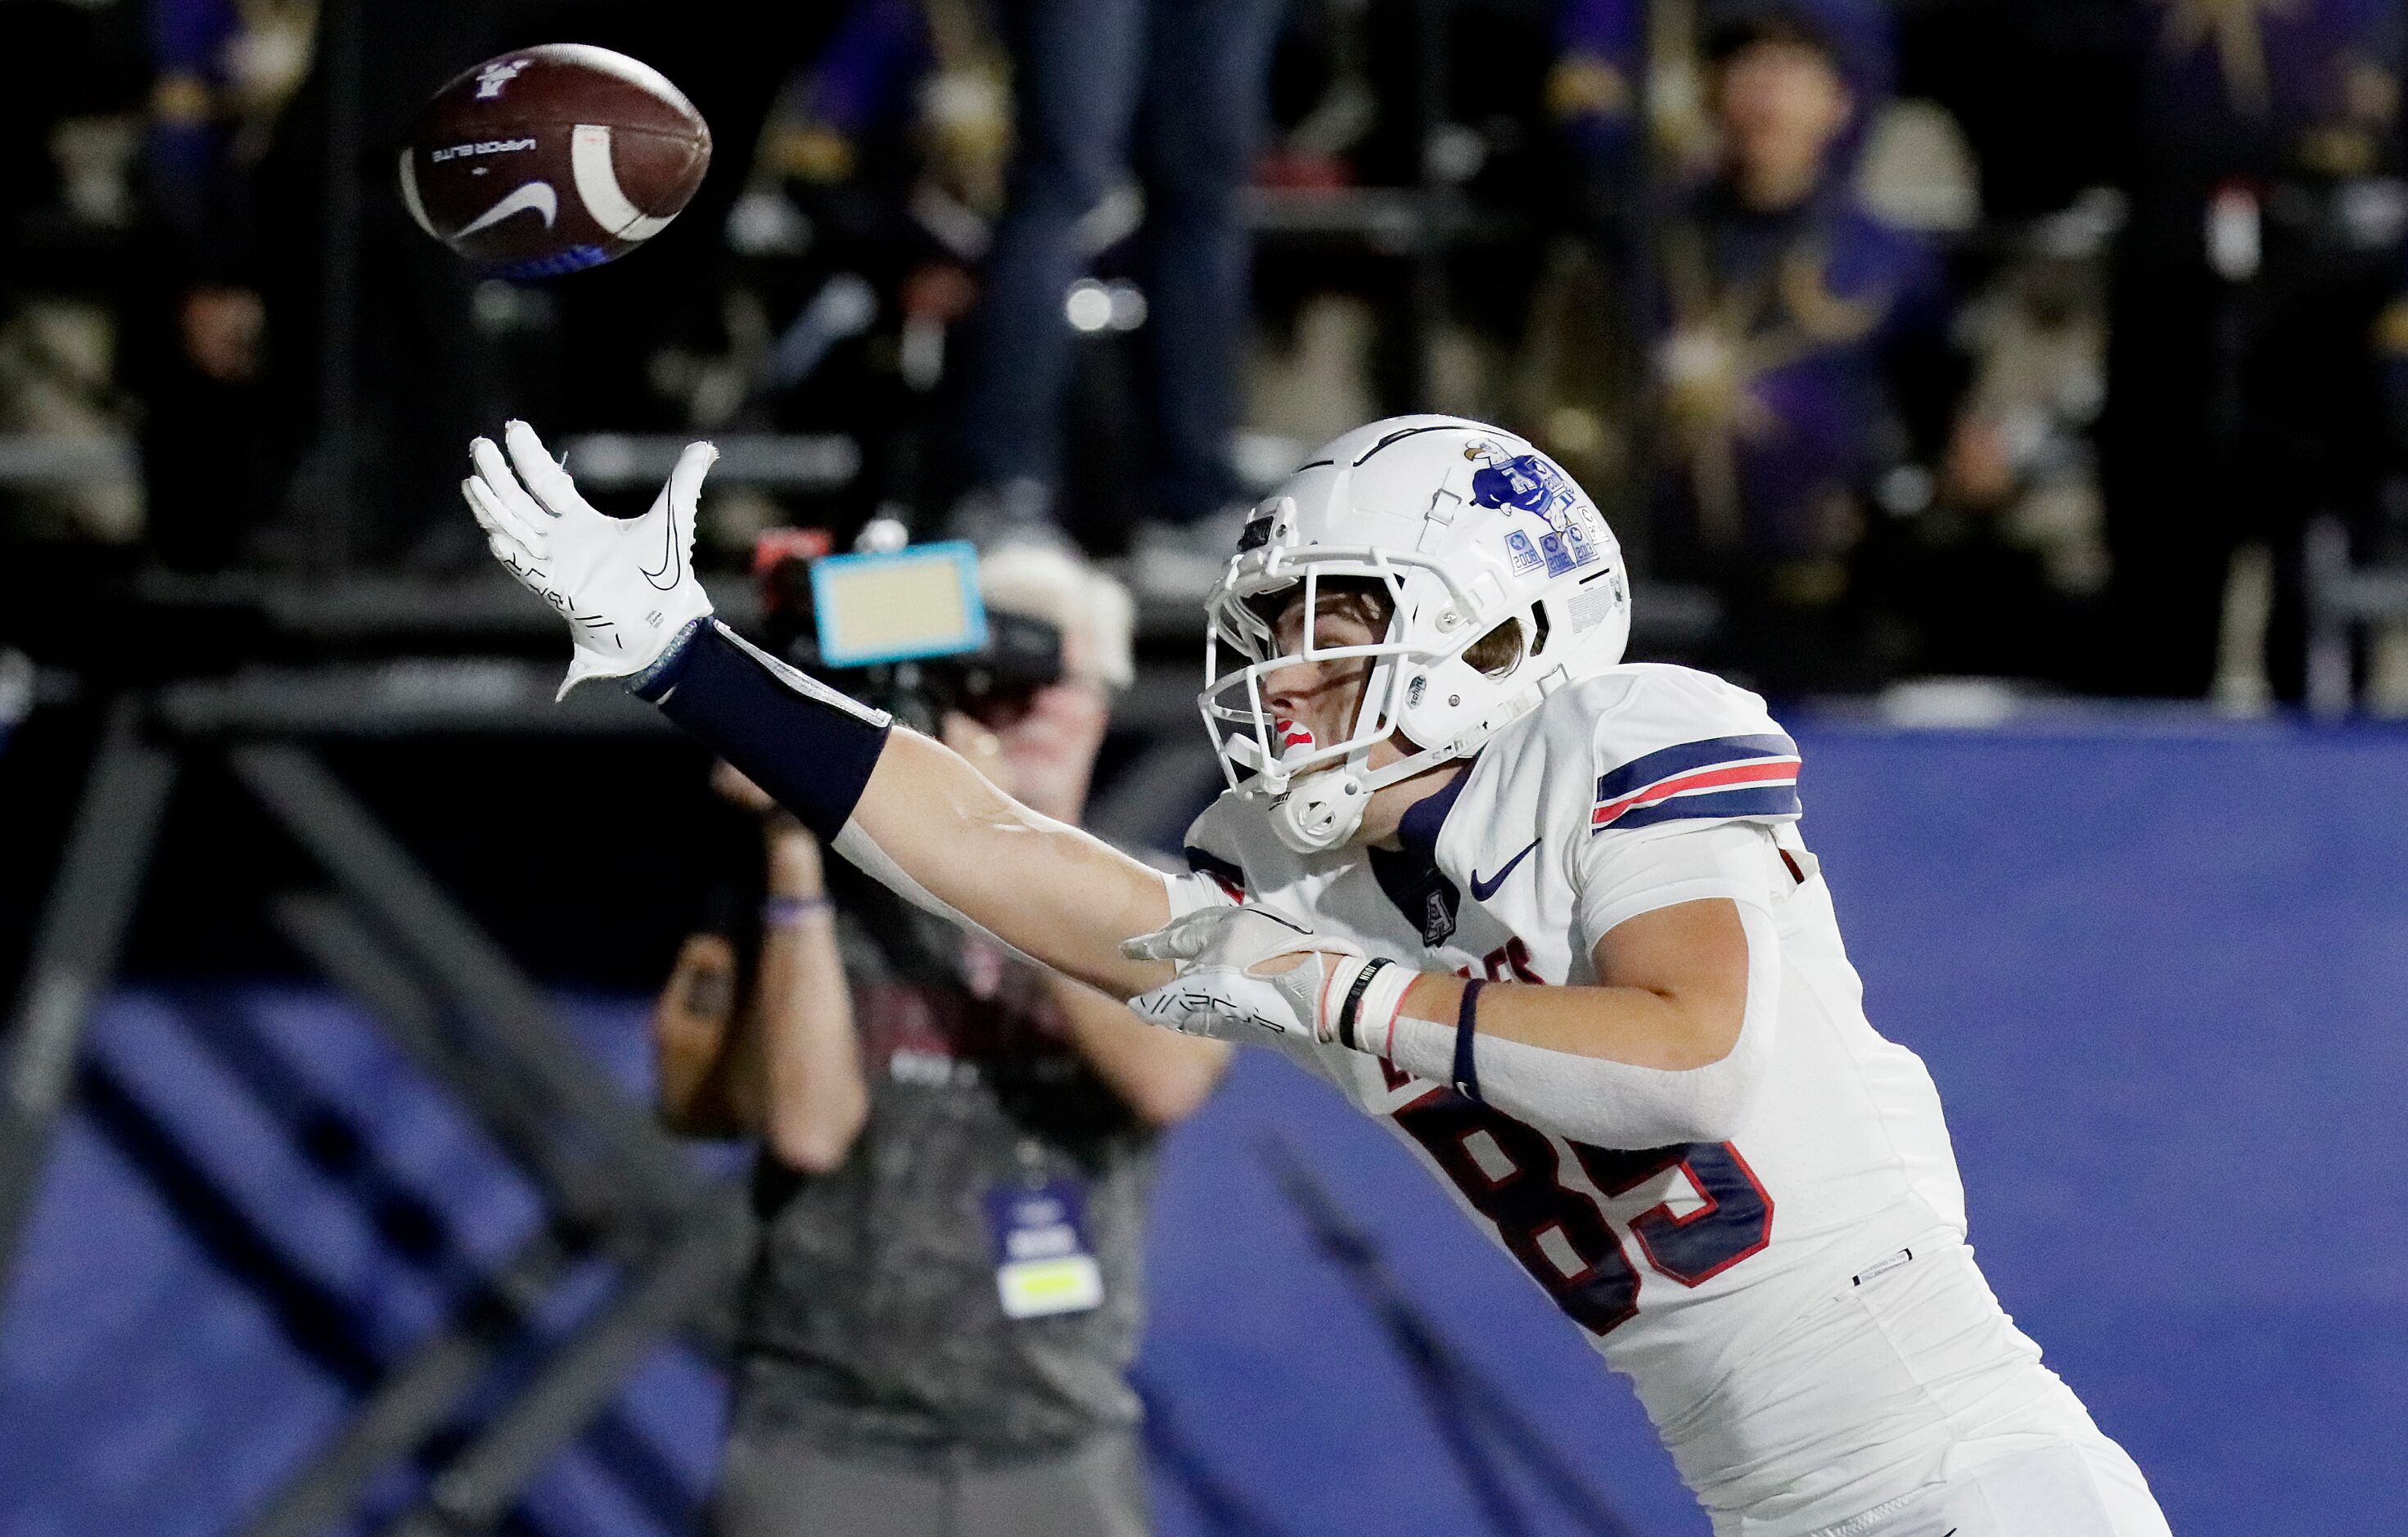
1547	915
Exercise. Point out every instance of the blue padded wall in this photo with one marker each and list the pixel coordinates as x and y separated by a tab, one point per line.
2161	976
254	1211
2159	970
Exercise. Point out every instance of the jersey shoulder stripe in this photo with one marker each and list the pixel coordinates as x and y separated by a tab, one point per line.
1226	873
1749	776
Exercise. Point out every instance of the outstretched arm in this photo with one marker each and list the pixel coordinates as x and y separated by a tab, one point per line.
1043	887
905	809
1668	1045
913	813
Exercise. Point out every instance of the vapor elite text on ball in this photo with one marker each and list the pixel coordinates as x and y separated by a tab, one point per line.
554	159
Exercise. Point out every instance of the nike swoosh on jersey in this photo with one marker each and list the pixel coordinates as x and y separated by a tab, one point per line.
1482	890
535	197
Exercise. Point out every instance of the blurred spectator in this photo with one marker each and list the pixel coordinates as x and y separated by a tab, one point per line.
359	463
198	322
1592	91
1806	350
1176	87
874	194
71	81
2002	577
665	343
956	1150
2264	237
1603	48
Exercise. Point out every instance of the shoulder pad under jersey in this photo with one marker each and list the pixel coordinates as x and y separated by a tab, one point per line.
1672	744
1214	845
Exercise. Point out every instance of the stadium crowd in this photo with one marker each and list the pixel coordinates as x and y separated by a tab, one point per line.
1929	337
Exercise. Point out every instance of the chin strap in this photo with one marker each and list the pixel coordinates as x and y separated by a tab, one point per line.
1322	812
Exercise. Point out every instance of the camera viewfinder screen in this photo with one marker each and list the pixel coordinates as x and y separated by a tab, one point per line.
918	602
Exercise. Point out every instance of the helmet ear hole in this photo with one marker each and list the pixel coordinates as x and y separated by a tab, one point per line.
1497	653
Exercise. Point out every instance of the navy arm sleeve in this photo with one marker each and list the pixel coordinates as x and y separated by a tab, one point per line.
807	745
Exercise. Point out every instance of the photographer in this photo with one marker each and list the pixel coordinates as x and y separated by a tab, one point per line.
956	1146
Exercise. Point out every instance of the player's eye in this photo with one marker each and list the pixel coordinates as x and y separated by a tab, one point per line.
1332	631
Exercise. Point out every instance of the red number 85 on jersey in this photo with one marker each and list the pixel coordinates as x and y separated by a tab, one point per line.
1509	1171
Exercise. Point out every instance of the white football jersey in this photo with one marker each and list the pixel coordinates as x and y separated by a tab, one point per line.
1689	1268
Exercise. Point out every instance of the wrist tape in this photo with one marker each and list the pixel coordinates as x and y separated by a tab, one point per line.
809	746
1368	994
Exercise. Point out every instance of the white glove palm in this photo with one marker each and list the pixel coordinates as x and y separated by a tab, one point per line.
625	585
1232	984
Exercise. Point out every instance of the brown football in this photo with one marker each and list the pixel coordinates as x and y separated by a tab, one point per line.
551	159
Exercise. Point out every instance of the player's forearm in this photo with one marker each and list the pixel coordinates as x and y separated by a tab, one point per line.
1047	889
1162	1076
812	1097
1577	1088
1618	1065
912	814
1627	1024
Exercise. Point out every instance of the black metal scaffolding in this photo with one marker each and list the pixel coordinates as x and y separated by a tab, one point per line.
387	937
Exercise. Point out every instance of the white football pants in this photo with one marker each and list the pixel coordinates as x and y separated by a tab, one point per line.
2086	1489
1922	1410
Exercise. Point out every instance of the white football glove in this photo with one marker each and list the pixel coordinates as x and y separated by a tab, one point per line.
1245	974
625	585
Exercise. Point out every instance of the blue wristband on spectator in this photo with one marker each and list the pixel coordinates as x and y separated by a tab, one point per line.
1467	1025
806	744
786	912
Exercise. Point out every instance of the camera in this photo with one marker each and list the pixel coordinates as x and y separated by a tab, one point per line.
904	631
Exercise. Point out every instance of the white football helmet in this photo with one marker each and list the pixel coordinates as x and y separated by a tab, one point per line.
1468	528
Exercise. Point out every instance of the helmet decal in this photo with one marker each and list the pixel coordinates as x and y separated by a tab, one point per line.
1524	482
1566	550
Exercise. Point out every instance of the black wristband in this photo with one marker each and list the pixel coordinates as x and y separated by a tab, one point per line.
1467	1025
1353	1004
806	744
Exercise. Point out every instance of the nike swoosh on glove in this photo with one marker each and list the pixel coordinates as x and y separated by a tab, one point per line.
625	585
1231	985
